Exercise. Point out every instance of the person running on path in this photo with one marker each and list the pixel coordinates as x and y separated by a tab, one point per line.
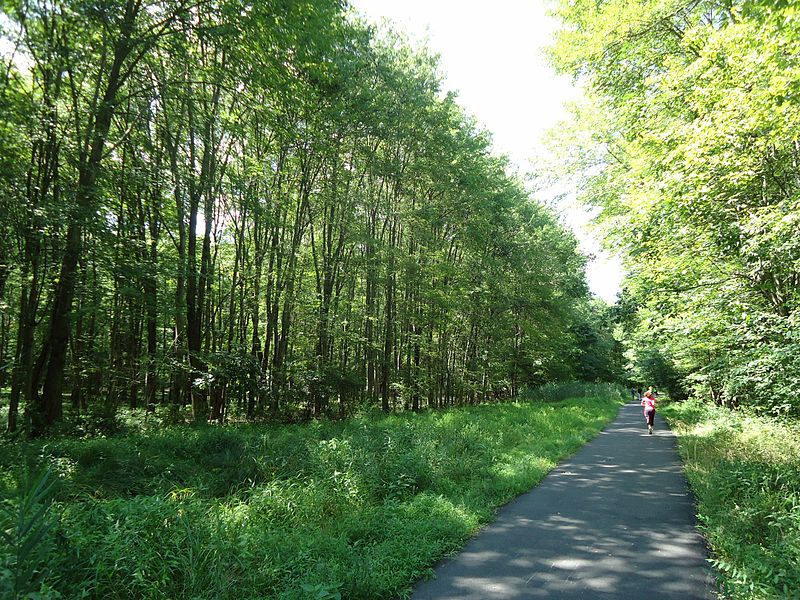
649	403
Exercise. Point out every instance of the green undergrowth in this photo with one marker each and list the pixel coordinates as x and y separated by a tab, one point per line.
353	509
555	392
745	472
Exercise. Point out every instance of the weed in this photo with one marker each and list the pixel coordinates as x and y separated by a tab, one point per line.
26	527
745	471
353	509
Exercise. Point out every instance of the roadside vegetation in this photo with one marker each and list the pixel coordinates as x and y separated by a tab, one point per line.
687	147
745	472
359	508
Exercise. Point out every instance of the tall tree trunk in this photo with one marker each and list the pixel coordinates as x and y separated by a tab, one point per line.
48	407
389	325
151	304
370	305
179	385
78	391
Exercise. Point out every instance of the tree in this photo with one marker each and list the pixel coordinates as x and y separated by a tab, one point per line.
265	211
694	166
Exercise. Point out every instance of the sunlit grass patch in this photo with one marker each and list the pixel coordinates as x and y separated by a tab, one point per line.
745	471
358	508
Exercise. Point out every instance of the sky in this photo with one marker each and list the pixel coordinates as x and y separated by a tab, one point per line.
492	55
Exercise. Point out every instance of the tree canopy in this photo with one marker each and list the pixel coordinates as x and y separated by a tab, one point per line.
263	209
689	146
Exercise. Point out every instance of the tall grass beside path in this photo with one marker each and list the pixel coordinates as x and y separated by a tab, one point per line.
745	472
555	392
354	509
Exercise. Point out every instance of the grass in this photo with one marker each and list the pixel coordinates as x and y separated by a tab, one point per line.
554	392
353	509
745	472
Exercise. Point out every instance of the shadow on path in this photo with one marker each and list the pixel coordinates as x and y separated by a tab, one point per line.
614	521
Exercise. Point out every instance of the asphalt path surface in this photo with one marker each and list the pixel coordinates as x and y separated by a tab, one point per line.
614	521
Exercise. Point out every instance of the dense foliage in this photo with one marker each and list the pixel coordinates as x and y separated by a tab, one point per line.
745	471
356	508
259	209
689	146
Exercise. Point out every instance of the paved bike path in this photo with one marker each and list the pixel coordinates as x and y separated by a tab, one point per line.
614	521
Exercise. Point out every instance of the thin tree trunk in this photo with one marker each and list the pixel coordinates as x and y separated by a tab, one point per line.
151	305
48	408
389	314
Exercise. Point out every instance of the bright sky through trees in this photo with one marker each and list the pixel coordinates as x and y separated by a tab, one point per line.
491	54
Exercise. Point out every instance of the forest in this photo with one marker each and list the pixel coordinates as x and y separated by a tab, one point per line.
262	211
687	144
276	321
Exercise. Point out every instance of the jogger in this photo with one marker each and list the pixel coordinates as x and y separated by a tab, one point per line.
649	403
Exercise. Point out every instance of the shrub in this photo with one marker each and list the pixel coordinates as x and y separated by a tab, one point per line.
745	471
